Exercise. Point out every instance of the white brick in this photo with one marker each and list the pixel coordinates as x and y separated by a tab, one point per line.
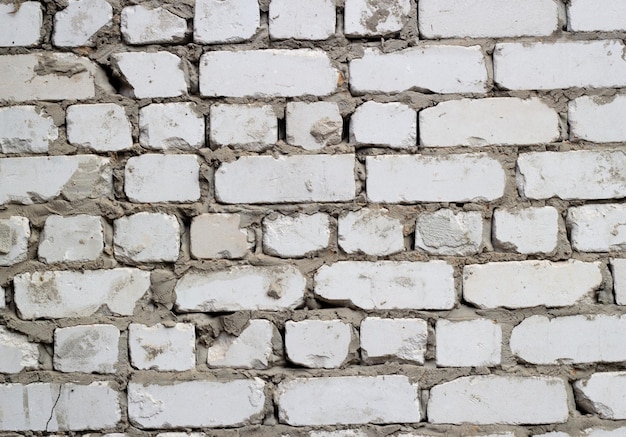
371	18
103	127
252	349
591	16
563	64
393	339
553	434
76	24
147	237
597	119
162	347
267	73
304	19
364	399
387	284
56	294
166	126
20	24
318	343
487	18
603	394
196	403
16	352
219	21
597	228
150	178
579	174
142	25
421	178
310	178
343	433
3	303
618	270
58	407
598	432
24	129
158	74
468	343
482	122
14	236
370	231
244	127
436	68
77	238
531	283
445	232
218	236
487	399
598	338
86	348
39	179
526	230
313	126
295	236
384	124
241	288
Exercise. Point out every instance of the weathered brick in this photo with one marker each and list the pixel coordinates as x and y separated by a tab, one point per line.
218	21
162	347
103	127
143	25
76	24
526	230
370	231
151	74
20	24
24	129
371	18
86	348
295	236
597	228
14	236
384	124
76	238
16	352
591	16
602	394
313	125
147	237
468	343
401	340
618	270
218	236
318	343
597	119
171	126
243	126
446	232
304	19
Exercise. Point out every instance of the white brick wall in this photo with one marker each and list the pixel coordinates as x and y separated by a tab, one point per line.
14	235
142	25
147	237
157	74
218	236
309	20
445	232
242	126
254	348
367	18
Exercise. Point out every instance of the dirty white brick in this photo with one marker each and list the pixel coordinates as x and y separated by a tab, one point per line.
421	178
437	68
578	174
315	125
162	347
384	124
166	126
16	352
267	73
219	21
295	236
147	237
58	407
243	126
103	127
305	19
543	340
150	178
39	179
196	403
482	122
253	348
24	129
241	288
158	74
563	64
618	270
445	232
218	236
531	283
387	284
3	302
371	17
370	231
56	294
599	432
603	394
20	24
14	236
597	228
364	399
553	434
143	25
76	24
395	339
86	348
597	119
77	238
526	230
487	399
318	343
305	178
342	433
487	18
592	16
468	343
